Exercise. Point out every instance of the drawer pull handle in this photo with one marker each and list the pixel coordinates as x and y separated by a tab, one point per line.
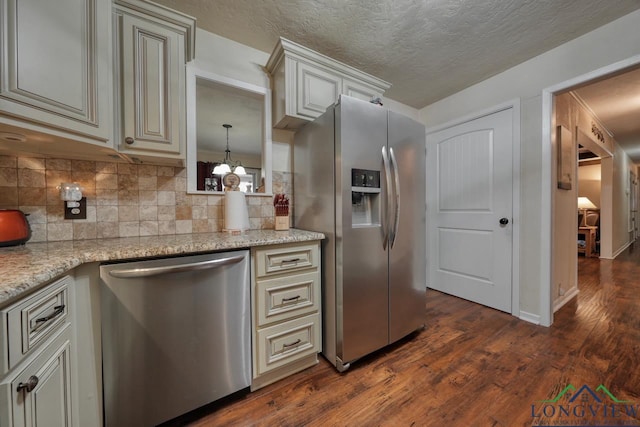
286	261
57	310
31	383
297	297
296	342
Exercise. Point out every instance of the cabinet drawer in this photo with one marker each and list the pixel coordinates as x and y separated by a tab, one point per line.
282	298
35	319
280	259
287	342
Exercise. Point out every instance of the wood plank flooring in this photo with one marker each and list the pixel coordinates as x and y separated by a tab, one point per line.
470	366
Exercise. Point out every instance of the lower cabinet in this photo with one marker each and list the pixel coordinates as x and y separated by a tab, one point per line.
36	380
50	355
286	305
40	394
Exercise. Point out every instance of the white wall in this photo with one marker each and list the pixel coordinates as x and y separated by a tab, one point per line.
622	166
589	183
231	59
611	43
398	107
282	147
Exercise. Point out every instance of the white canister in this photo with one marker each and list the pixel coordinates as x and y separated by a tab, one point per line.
236	215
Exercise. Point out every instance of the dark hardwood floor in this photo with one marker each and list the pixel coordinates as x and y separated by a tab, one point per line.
473	366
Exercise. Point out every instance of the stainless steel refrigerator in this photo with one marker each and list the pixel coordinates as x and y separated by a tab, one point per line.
359	177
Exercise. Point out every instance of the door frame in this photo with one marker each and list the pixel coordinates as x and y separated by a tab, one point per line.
546	201
514	105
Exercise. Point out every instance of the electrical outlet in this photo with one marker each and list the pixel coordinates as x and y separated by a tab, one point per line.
76	210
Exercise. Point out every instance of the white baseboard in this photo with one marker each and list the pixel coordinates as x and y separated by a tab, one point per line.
622	249
529	317
557	304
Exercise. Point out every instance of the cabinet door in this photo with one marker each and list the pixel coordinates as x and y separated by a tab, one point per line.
153	77
56	67
316	90
49	402
358	90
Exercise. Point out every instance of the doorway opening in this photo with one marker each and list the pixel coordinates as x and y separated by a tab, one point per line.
589	202
568	116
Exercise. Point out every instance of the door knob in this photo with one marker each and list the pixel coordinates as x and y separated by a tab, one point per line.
504	221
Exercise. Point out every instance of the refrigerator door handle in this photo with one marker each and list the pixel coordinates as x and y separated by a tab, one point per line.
396	211
387	206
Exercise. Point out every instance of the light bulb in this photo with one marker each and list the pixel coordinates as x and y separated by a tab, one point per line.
221	169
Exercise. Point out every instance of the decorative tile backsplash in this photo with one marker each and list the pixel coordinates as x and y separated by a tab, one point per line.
123	200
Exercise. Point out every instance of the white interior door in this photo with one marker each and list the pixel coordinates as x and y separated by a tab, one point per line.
469	210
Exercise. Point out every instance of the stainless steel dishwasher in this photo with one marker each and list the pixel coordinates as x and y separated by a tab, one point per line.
175	335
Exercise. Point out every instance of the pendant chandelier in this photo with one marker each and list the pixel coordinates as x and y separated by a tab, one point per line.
227	164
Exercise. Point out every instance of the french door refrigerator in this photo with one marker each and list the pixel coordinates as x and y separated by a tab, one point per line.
359	177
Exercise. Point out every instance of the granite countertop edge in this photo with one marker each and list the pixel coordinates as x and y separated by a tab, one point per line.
28	267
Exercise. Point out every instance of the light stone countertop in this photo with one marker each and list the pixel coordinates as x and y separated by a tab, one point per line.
27	267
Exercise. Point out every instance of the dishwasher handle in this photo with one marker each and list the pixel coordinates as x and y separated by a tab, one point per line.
155	271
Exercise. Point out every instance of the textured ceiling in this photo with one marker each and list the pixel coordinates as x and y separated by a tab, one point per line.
428	49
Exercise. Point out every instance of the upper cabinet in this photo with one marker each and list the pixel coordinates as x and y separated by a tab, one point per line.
55	68
152	45
305	83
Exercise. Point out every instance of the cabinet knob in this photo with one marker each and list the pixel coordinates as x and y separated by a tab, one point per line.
129	140
31	383
504	221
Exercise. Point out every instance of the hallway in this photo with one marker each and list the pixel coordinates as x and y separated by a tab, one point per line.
474	366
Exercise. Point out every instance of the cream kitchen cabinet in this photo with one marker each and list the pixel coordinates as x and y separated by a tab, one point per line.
306	82
286	307
36	372
55	77
153	44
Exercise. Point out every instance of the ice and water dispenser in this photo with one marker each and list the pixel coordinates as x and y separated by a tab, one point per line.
365	198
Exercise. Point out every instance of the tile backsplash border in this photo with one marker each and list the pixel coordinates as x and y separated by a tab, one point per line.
123	200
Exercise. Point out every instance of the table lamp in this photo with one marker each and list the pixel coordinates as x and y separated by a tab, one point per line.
583	204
